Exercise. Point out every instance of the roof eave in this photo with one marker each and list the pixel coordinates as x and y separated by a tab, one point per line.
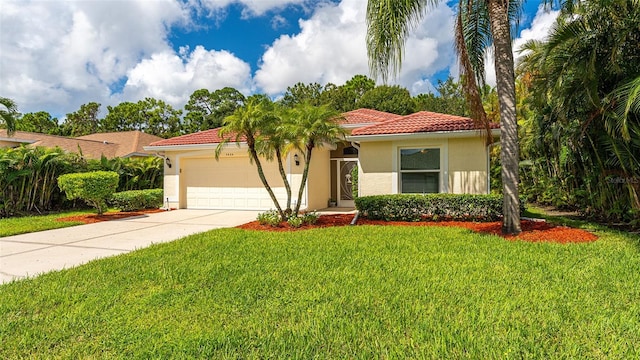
421	135
209	146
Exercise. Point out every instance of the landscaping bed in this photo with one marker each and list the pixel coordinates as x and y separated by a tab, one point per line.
531	230
94	218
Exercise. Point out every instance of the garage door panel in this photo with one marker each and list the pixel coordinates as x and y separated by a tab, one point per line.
230	183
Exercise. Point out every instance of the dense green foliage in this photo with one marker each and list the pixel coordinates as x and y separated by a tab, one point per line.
8	114
417	207
94	187
580	130
137	199
358	292
28	177
393	99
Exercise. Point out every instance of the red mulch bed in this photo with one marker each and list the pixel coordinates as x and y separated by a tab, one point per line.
94	218
531	230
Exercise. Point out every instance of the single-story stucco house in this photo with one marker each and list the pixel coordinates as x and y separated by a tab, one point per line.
424	152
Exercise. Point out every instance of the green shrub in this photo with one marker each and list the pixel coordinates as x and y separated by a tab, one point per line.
270	217
93	187
414	207
295	221
310	218
137	199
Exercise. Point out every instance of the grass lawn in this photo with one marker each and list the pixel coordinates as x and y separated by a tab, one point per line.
359	292
28	224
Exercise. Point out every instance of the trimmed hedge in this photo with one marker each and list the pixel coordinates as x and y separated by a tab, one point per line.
416	207
137	199
93	187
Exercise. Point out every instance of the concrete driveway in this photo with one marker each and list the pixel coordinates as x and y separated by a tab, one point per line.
32	254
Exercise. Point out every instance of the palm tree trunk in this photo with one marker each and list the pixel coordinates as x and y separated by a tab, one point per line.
505	78
263	178
283	174
305	175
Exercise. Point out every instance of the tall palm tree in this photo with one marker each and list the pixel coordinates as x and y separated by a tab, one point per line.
245	124
479	23
312	127
8	114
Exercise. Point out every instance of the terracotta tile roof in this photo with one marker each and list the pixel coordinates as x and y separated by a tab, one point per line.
423	121
210	136
382	123
123	144
367	116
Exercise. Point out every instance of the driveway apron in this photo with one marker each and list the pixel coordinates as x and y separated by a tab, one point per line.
31	254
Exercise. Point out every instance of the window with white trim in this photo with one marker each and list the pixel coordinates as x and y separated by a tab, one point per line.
420	171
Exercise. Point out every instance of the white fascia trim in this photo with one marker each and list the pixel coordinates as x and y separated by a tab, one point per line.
423	135
192	147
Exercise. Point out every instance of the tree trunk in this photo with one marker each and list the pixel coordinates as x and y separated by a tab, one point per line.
263	178
505	78
283	175
305	175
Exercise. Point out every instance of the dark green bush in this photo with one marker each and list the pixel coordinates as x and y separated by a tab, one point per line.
94	187
137	199
413	207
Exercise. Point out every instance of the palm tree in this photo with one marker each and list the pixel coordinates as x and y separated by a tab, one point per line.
312	126
8	114
586	93
479	23
246	124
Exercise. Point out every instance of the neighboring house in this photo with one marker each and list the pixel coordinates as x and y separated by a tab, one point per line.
94	146
423	152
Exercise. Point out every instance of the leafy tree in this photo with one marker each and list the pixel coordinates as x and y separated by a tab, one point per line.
449	100
394	99
85	121
39	122
122	117
149	115
8	114
478	24
345	97
207	110
300	93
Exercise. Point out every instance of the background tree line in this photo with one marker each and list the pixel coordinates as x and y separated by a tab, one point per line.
207	109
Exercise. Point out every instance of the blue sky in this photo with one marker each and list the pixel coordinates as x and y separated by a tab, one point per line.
58	55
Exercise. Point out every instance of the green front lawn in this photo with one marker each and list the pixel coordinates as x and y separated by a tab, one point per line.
353	292
29	224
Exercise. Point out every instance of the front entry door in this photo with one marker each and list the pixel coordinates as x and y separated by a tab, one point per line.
345	183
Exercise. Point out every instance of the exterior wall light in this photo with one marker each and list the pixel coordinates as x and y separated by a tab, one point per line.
296	159
168	162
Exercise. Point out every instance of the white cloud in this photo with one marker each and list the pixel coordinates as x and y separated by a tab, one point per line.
539	29
278	21
250	8
59	55
173	78
331	48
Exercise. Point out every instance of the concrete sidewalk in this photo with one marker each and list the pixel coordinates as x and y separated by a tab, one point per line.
35	253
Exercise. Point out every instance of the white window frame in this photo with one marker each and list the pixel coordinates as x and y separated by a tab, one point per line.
443	185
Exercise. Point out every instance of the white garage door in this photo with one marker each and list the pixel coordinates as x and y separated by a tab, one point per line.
228	183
